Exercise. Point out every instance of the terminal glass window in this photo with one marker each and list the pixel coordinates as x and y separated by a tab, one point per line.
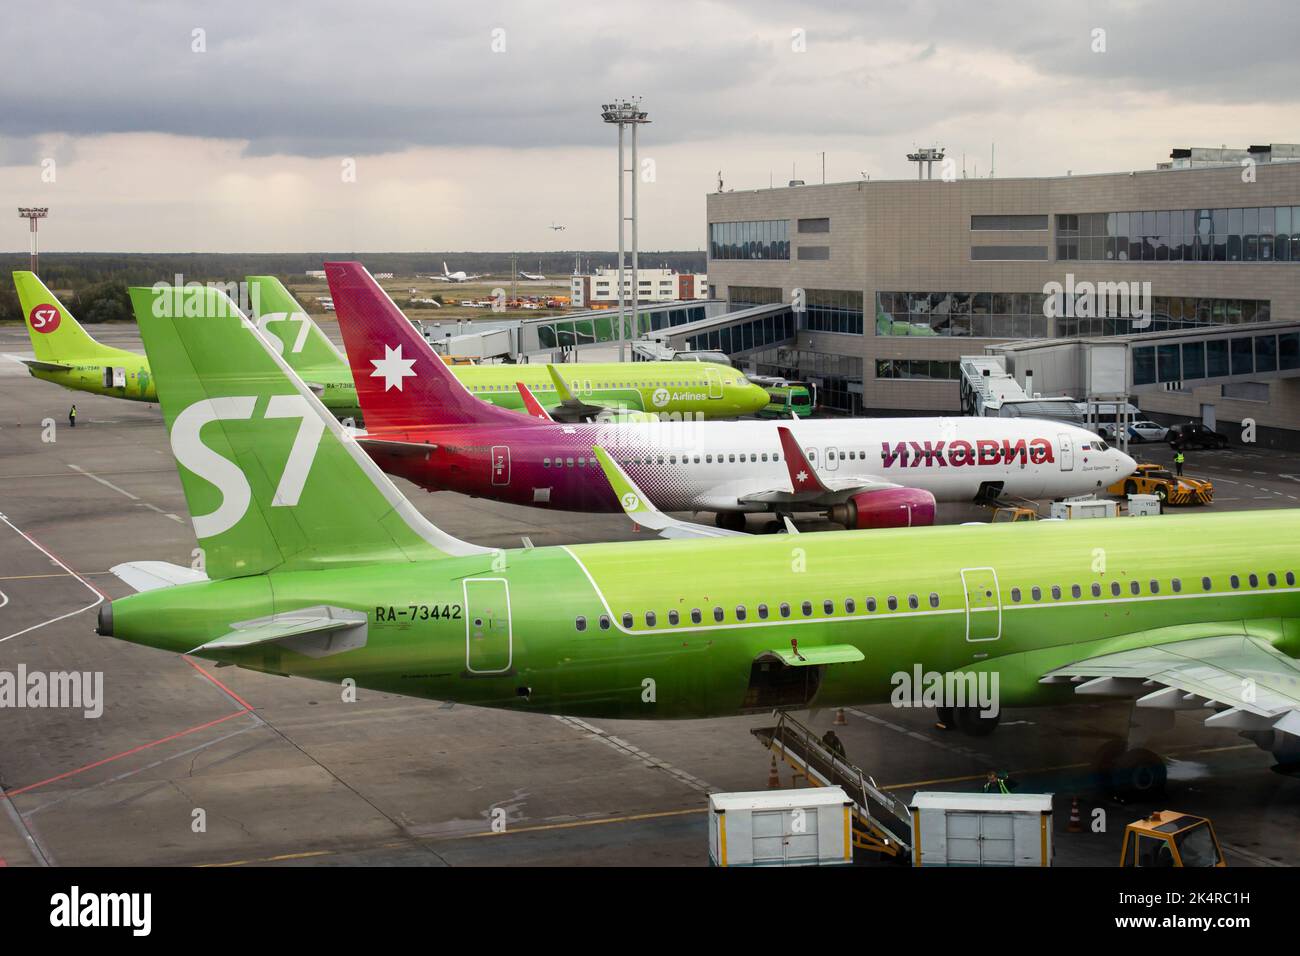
1239	234
832	310
763	239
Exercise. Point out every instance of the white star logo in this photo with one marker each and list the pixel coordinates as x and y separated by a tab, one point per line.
801	477
392	368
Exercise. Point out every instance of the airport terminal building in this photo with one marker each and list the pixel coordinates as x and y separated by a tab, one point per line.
889	283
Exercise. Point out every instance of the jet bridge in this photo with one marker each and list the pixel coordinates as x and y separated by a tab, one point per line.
881	822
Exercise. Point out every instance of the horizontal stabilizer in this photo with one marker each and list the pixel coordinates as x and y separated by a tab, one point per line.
151	575
40	366
314	631
405	449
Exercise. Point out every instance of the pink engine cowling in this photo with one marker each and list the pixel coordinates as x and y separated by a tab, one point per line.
887	508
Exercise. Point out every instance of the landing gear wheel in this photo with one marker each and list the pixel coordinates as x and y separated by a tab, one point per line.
1163	494
730	520
970	723
1139	774
944	719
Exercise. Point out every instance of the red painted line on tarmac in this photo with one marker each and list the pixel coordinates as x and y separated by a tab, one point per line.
213	678
125	753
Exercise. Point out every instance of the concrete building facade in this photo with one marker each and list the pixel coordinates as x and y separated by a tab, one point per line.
898	279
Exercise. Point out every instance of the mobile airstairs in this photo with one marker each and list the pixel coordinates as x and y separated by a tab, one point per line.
881	822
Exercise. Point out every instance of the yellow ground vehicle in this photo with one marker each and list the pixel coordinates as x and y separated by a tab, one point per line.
1149	479
1169	838
1014	513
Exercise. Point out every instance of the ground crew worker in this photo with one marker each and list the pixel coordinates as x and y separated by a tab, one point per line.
995	782
831	741
72	416
1178	463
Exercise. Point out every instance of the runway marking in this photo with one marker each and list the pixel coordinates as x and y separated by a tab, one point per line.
100	599
413	843
32	577
104	481
617	743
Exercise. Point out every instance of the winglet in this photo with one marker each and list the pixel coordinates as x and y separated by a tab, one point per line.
803	476
531	404
561	386
643	512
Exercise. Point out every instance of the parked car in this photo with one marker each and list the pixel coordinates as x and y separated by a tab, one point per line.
1138	431
1149	479
1195	435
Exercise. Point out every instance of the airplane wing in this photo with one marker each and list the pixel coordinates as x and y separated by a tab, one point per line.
571	408
531	404
643	512
405	449
807	487
314	631
1247	683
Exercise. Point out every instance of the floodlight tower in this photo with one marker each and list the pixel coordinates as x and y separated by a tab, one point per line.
926	157
33	214
626	113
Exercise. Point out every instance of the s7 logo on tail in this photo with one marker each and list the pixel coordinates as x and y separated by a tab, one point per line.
236	493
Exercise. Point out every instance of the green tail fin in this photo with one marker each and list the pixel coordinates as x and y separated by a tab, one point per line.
272	481
282	320
56	336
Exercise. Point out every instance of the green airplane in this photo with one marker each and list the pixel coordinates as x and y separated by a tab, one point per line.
68	356
588	390
316	566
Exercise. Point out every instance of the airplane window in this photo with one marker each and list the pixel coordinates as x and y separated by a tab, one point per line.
673	617
731	458
892	602
1015	595
661	459
1205	584
871	604
1076	591
828	607
1254	580
627	619
1114	588
913	602
604	622
1235	582
1176	584
708	459
850	605
853	455
785	610
650	618
568	463
806	608
934	599
1135	587
762	612
697	459
1155	587
765	456
582	463
1036	593
546	463
740	612
776	457
1056	592
672	459
1096	589
1290	578
717	614
580	623
696	616
1272	579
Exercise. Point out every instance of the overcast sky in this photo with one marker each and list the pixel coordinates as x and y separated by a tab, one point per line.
477	125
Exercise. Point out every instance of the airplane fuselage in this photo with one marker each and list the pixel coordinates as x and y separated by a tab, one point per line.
129	379
674	629
717	466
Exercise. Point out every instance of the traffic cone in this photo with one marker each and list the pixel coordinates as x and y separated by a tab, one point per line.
773	777
840	720
1076	825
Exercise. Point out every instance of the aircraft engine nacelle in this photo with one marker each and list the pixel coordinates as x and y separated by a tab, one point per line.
887	508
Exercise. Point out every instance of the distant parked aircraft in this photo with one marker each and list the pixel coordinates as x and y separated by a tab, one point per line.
458	276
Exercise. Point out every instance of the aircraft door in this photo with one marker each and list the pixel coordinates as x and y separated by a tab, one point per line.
832	460
488	644
114	377
983	604
714	378
500	465
1066	446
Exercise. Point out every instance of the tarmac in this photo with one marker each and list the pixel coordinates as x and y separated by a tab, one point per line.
283	771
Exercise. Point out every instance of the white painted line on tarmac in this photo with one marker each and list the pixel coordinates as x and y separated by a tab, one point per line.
105	482
617	743
99	595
